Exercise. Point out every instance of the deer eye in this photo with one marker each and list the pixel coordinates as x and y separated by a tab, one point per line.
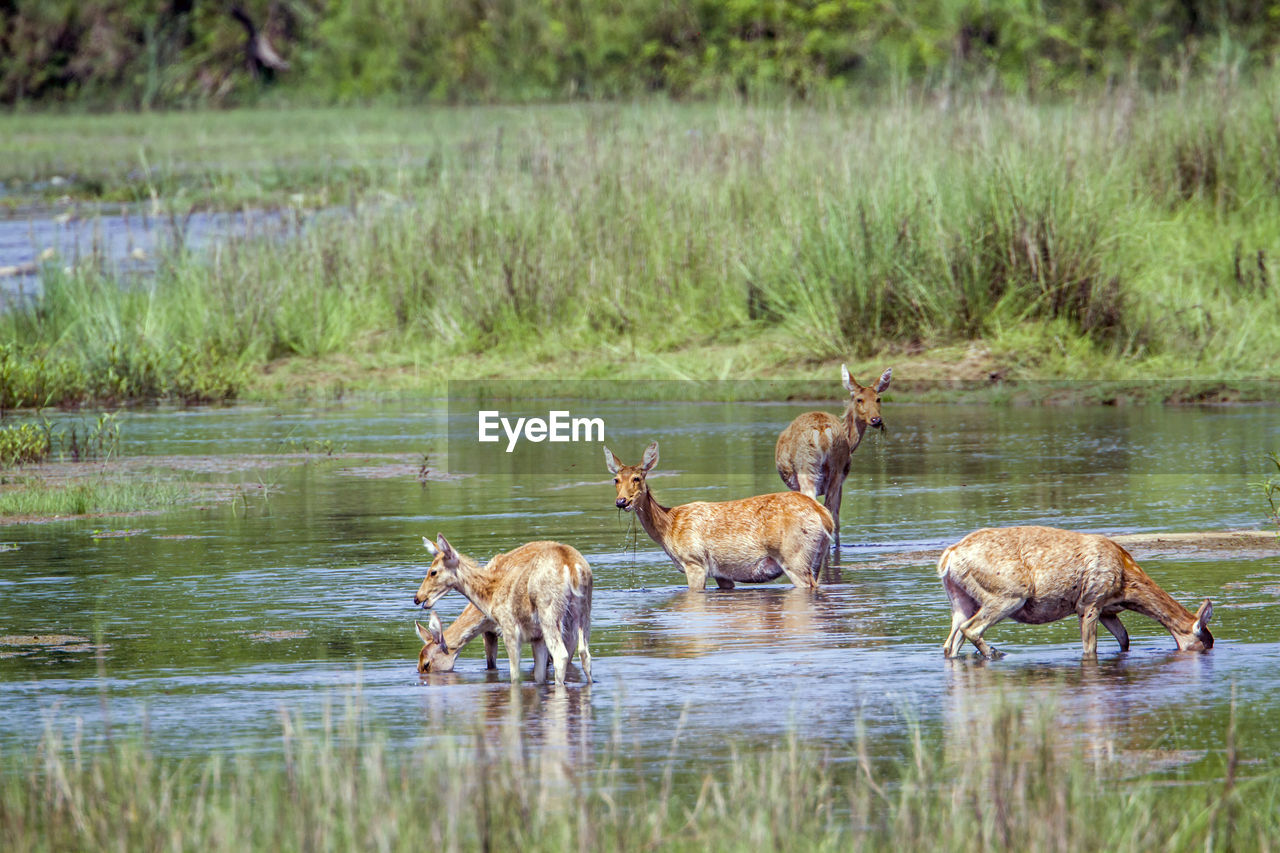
434	572
615	481
635	479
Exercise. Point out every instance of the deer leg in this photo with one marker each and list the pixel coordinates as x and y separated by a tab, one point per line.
724	583
539	661
954	638
805	579
988	614
696	575
834	493
1112	623
560	655
512	640
1089	631
584	653
490	650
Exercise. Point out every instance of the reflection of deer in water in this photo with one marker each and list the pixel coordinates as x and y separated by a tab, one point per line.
556	723
1041	574
701	625
440	645
812	453
752	540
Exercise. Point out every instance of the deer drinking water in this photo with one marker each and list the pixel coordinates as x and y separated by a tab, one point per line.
751	540
539	592
440	645
1041	574
813	452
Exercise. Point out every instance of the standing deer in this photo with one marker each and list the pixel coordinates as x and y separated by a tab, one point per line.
812	455
1041	574
751	540
540	592
440	645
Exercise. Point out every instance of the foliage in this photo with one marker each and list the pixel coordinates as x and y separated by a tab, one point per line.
32	496
24	443
141	54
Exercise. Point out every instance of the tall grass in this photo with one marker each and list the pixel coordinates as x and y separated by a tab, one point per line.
1141	227
1011	783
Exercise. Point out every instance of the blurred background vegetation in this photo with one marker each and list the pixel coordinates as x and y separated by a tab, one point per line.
174	53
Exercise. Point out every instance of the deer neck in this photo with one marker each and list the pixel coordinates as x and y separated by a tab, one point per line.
1142	595
654	517
478	583
854	427
463	630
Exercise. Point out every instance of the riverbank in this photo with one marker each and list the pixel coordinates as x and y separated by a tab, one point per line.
1115	238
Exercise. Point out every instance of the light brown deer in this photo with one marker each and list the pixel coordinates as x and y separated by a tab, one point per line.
440	645
539	592
751	540
813	452
1041	574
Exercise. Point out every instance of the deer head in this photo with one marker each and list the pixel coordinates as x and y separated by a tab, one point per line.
435	655
864	400
631	479
1196	638
443	573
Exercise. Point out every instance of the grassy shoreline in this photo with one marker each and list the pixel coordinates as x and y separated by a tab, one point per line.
1115	238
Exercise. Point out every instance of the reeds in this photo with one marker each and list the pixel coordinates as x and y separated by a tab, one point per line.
1122	233
1007	780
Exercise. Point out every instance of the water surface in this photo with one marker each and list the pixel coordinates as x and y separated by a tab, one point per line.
206	622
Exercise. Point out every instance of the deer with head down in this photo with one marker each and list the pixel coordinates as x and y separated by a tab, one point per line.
1041	574
751	540
539	592
440	645
813	452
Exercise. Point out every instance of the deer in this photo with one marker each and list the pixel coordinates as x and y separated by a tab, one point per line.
539	592
440	645
751	540
1038	575
813	452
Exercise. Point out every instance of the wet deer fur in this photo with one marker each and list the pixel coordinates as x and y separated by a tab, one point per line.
813	453
1041	574
539	592
751	540
440	645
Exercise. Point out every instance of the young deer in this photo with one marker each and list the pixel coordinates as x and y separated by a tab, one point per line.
440	645
539	592
1041	574
812	454
745	541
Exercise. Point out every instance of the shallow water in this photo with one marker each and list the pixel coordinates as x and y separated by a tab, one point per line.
204	623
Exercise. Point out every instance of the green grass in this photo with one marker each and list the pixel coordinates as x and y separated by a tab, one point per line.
1010	781
1121	236
32	496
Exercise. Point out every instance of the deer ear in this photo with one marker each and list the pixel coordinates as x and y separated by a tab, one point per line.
650	457
611	462
446	550
437	630
421	631
884	380
1203	615
850	385
429	545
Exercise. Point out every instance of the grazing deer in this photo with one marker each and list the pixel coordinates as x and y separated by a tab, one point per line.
539	592
440	645
812	455
1041	574
751	540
